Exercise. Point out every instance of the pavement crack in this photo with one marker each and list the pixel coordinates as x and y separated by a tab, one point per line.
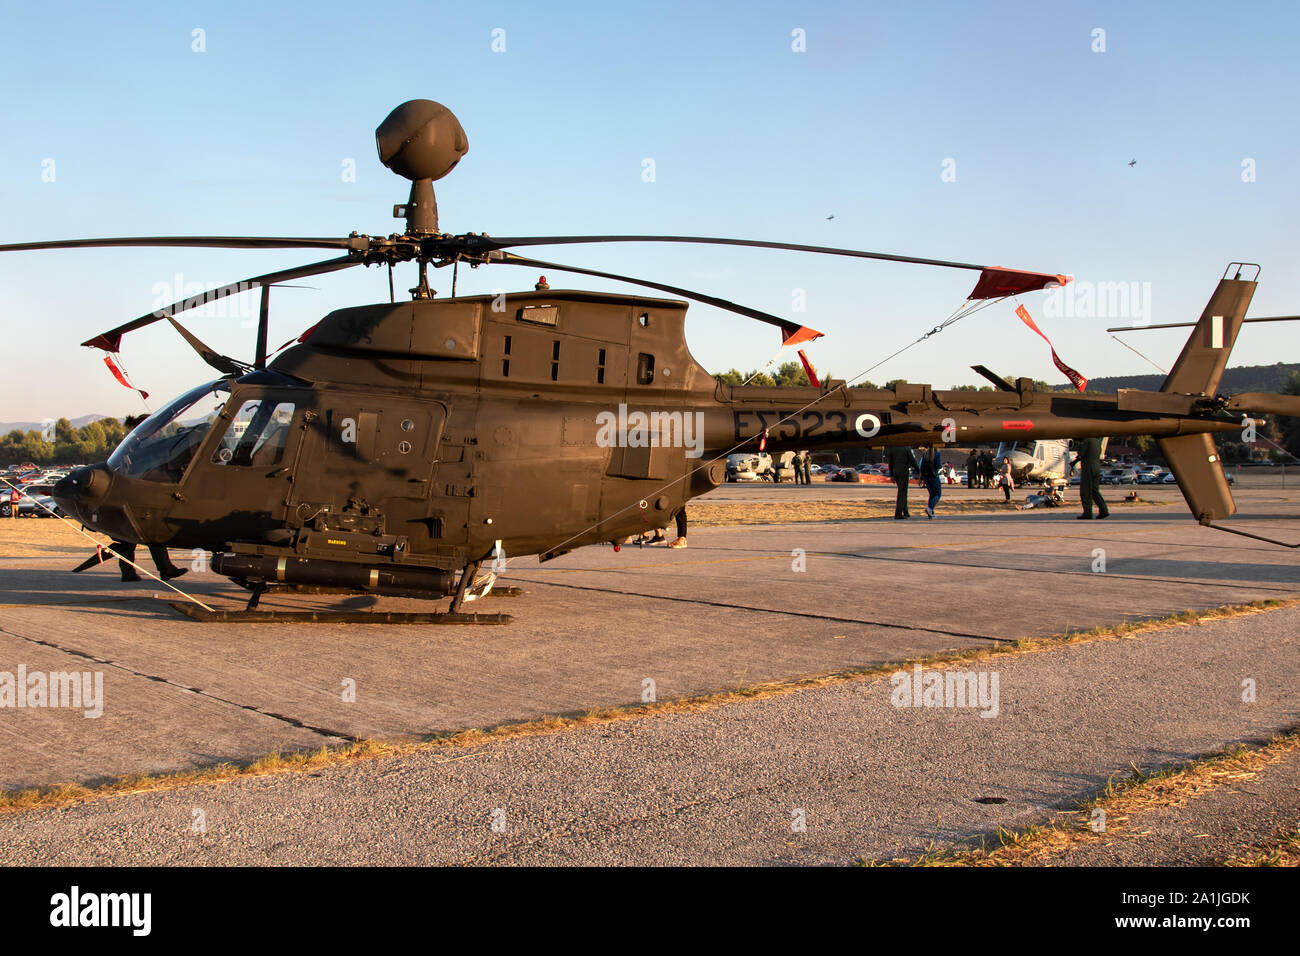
785	612
198	692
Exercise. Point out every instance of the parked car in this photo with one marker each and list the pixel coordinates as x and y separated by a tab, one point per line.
37	506
1168	478
1120	476
34	501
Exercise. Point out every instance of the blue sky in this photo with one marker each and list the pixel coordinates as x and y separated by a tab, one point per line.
749	139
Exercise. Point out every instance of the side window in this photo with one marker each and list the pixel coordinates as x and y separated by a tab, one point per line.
256	436
645	368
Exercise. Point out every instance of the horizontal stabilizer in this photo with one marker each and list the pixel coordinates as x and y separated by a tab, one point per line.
1196	466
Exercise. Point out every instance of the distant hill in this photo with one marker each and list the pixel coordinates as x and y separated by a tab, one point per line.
82	422
1249	378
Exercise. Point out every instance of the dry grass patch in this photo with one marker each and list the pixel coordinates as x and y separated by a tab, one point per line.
1283	851
1126	793
706	514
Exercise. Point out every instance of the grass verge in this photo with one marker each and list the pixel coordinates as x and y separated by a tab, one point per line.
1128	792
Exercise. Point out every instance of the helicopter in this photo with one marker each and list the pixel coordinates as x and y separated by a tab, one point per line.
1042	461
399	447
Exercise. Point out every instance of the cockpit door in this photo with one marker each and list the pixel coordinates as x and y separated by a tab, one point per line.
239	484
374	451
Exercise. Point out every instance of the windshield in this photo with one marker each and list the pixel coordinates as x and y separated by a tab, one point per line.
1007	447
161	447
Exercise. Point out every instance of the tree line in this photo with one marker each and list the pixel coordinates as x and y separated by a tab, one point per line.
66	446
791	374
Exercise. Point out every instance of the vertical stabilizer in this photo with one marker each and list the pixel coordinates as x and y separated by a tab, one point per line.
1204	357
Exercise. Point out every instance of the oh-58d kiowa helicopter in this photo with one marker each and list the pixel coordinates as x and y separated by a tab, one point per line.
397	447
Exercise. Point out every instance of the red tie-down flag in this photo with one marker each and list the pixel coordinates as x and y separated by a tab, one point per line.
1077	380
797	337
121	376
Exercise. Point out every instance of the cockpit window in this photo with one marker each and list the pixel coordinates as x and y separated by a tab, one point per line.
162	446
257	435
1029	448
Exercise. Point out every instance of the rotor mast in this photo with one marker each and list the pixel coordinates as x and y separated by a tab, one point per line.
422	141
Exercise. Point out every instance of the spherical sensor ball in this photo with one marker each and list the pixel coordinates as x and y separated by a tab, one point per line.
421	139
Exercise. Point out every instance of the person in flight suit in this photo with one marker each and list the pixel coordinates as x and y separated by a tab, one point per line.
1089	464
902	463
931	476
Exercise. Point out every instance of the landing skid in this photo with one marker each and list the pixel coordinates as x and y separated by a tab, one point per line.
337	617
321	589
467	590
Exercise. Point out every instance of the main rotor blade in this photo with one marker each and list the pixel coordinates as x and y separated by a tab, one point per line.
496	243
784	325
1000	383
222	363
111	341
197	242
1189	325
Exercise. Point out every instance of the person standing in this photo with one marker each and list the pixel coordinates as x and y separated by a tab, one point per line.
902	463
986	469
1005	479
1088	461
807	468
681	529
931	477
972	463
124	551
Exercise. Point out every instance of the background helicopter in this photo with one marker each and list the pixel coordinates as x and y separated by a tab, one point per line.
396	447
1045	462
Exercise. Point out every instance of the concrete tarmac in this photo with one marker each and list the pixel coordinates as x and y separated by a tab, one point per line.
740	606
